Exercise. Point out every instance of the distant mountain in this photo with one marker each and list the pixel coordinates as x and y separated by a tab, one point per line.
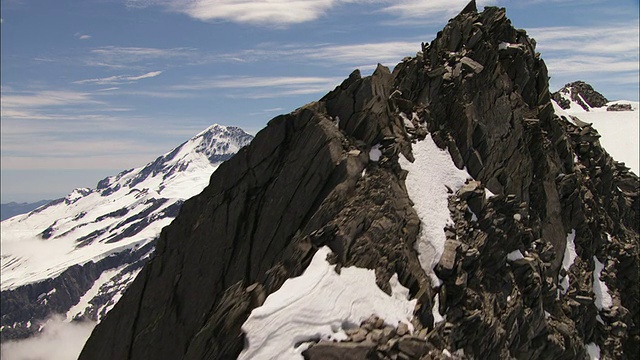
617	122
76	255
13	208
442	210
579	94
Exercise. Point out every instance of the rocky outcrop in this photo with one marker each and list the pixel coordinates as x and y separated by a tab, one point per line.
620	107
541	187
580	93
298	186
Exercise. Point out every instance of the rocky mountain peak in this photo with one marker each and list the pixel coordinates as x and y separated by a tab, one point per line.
580	93
509	229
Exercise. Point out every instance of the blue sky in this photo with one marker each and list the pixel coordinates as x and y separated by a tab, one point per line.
92	87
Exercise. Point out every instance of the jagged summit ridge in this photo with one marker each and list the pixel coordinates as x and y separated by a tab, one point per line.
98	239
515	266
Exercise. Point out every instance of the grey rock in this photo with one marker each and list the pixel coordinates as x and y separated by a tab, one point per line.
295	188
619	107
339	351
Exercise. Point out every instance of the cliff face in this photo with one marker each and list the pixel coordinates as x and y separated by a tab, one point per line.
520	274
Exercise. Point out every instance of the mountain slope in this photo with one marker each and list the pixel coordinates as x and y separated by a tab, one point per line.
84	249
540	236
617	122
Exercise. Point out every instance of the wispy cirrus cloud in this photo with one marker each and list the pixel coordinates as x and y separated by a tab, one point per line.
615	40
388	53
356	55
119	79
596	49
123	57
35	99
257	87
605	53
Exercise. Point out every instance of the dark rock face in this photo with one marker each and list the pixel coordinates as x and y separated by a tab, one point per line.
481	92
619	107
581	93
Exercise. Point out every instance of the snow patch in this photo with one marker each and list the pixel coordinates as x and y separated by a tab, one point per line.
594	351
83	304
515	255
603	299
317	304
435	310
426	180
375	153
569	257
407	123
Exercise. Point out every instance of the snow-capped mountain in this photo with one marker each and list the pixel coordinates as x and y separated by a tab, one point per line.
579	95
77	254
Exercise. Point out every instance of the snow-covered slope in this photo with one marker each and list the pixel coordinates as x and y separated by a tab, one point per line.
619	130
123	214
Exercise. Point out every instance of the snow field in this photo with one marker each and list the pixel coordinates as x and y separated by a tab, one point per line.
426	183
619	130
320	304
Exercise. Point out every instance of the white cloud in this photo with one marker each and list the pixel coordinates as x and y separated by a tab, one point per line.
80	140
122	57
58	341
82	36
389	53
429	10
621	39
259	12
350	55
241	82
265	12
29	99
287	12
576	64
257	87
118	79
589	50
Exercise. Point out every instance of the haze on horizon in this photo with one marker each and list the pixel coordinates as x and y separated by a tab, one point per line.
93	87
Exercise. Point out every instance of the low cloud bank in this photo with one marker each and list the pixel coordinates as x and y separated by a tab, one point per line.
59	340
